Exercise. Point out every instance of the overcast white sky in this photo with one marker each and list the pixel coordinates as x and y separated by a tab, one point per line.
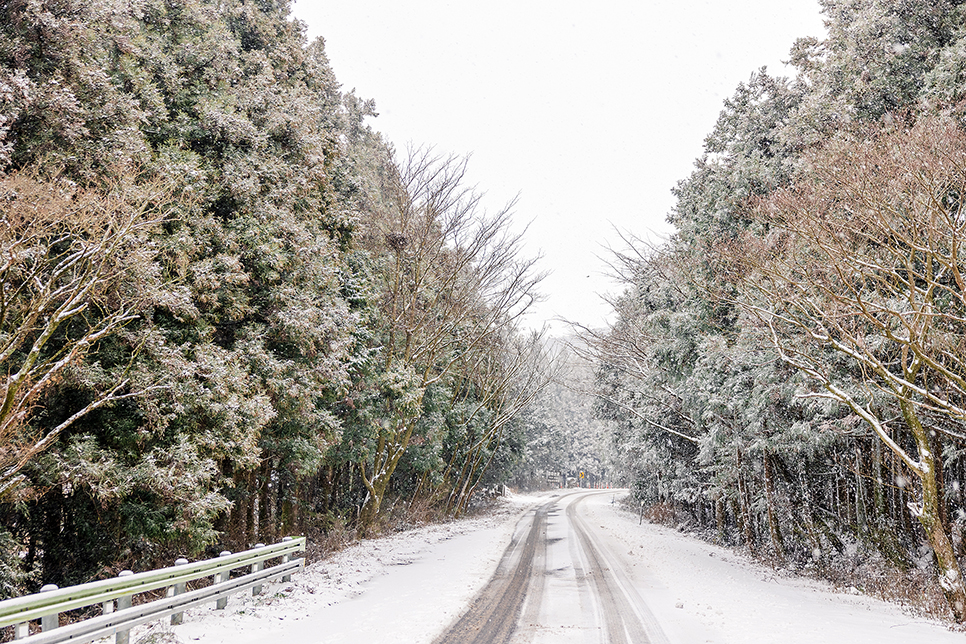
589	111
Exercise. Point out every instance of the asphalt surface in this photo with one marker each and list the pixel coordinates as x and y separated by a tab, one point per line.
557	583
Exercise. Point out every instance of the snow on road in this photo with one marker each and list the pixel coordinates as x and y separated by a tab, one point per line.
408	587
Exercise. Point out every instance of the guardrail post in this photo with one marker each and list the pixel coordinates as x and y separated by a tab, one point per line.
177	589
285	559
221	577
49	622
257	567
122	637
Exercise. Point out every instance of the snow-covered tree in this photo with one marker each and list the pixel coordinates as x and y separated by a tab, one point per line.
450	280
563	434
860	261
710	369
77	265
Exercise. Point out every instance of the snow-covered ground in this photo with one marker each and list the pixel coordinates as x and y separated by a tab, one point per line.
408	587
703	593
403	588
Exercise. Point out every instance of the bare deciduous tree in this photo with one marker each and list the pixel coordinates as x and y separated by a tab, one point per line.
507	374
628	346
452	278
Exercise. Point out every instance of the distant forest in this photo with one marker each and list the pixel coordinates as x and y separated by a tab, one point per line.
788	372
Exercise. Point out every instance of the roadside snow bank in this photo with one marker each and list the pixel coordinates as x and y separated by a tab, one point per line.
406	587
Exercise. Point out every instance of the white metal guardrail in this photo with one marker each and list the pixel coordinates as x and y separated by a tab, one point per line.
114	595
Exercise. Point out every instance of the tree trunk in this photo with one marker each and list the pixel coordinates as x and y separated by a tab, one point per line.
878	491
250	509
930	516
744	503
370	509
861	511
242	499
266	510
720	518
288	513
807	512
774	528
950	576
937	450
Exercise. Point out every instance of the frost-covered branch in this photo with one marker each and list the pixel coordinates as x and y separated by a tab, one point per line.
76	269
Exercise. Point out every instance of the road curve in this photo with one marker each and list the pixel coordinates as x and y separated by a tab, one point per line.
557	583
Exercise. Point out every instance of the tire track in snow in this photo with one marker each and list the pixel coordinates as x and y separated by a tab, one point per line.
627	619
515	594
492	617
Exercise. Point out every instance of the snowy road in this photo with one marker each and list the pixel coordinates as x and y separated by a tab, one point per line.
573	567
557	584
